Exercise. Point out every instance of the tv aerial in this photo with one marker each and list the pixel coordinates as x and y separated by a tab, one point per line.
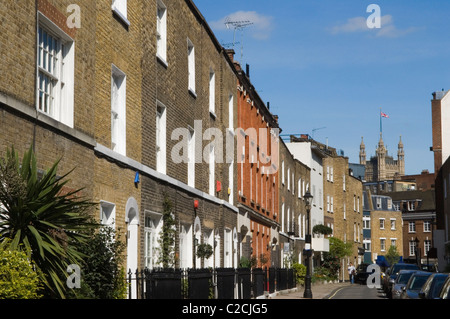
238	25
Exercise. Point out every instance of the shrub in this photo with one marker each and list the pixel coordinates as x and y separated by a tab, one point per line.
18	280
300	273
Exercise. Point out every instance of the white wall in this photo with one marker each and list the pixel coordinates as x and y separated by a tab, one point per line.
445	125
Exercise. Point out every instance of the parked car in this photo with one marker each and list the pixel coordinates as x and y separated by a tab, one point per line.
391	274
433	286
445	290
362	274
402	279
415	283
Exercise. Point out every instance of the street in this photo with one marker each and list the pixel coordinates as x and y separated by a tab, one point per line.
357	291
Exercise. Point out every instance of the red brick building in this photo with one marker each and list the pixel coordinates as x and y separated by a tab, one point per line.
257	174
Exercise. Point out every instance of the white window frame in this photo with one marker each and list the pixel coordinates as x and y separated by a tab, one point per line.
191	157
120	7
412	246
118	110
108	214
231	113
186	245
152	228
382	223
212	93
161	32
383	244
161	137
393	223
411	227
426	226
191	67
212	160
231	182
282	172
60	85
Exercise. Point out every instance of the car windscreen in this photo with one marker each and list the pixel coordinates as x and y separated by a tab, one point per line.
418	281
403	278
436	286
397	268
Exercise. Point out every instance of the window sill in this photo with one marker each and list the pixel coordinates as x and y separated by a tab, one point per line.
162	61
121	16
192	92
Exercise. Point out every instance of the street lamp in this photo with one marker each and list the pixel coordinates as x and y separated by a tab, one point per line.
308	251
417	252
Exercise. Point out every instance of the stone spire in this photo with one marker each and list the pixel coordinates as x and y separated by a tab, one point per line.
401	157
362	152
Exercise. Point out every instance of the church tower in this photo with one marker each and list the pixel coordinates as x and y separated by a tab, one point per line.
362	152
401	158
381	157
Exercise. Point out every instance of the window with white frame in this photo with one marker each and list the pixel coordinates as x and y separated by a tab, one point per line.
412	227
120	7
427	246
382	220
288	178
191	66
231	112
211	170
228	248
191	157
366	222
282	217
393	223
212	92
383	244
186	246
108	214
427	226
412	248
282	172
161	119
152	229
118	111
394	242
161	31
299	188
343	182
293	183
328	203
358	204
55	85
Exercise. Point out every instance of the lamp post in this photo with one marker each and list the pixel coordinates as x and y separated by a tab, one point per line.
308	251
417	252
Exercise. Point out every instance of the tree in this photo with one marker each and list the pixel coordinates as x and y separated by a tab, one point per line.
40	217
392	256
102	274
338	250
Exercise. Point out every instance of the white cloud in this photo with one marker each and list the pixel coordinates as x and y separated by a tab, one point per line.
359	24
260	27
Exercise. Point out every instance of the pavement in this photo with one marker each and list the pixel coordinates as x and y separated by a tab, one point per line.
319	291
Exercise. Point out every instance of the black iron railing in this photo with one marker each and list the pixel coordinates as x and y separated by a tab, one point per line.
218	283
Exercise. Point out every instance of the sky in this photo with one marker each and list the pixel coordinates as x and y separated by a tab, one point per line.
326	73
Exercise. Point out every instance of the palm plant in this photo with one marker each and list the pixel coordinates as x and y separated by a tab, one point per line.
39	216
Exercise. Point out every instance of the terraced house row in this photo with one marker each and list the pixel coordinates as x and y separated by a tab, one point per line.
151	111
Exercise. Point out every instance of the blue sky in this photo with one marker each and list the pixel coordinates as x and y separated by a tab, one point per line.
319	65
